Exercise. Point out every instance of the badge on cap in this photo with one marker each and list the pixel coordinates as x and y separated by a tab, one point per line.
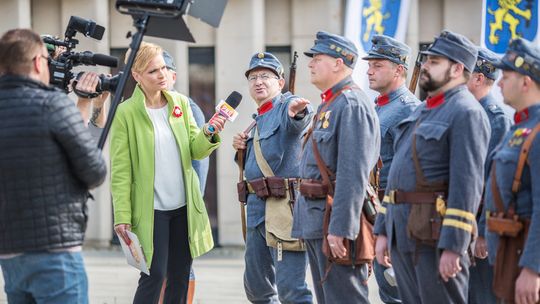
519	61
260	55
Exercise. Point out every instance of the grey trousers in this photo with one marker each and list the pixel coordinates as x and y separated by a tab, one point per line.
419	281
343	284
267	280
481	282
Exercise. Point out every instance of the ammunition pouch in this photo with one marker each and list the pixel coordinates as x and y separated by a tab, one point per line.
314	189
426	214
277	186
260	187
504	226
265	187
506	269
242	189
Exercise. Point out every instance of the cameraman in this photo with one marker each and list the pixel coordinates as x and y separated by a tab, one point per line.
48	161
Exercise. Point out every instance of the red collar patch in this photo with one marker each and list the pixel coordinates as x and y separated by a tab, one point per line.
435	101
383	100
521	116
267	106
326	96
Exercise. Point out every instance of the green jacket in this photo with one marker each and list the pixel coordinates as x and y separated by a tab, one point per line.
132	170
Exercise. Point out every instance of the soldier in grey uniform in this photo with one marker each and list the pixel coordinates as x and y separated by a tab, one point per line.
348	138
388	62
281	119
520	87
435	181
480	84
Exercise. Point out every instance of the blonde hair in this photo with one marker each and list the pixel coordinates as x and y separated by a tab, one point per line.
146	53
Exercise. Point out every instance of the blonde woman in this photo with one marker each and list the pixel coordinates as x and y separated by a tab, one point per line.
155	190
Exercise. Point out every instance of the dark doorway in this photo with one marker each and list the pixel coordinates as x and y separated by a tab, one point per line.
202	88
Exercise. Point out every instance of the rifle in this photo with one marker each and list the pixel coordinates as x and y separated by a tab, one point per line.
292	73
416	72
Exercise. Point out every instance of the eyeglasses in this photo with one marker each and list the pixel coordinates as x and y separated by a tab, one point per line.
263	77
48	58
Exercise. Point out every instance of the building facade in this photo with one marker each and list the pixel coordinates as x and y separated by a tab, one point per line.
211	68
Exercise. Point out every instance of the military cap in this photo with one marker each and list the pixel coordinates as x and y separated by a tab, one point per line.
335	46
485	63
169	62
455	47
384	47
265	60
523	57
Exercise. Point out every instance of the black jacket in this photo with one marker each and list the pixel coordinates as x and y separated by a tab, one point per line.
48	161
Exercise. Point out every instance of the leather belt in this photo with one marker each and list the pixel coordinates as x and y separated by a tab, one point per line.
402	197
286	181
380	194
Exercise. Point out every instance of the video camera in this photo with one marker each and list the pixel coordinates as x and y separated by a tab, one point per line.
63	58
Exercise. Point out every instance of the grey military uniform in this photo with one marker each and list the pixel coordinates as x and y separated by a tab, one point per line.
394	107
528	197
451	140
348	138
268	279
391	109
481	274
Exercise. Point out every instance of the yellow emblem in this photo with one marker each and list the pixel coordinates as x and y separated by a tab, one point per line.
375	20
506	13
338	49
260	55
519	61
440	205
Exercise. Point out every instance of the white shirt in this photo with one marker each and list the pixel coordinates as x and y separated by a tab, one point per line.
169	191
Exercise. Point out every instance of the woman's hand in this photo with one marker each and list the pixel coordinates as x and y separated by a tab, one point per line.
121	229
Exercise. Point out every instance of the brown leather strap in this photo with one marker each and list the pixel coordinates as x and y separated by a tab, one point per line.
326	173
402	197
420	178
322	109
495	189
523	157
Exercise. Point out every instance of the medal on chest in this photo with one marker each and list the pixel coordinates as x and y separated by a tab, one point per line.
519	137
324	118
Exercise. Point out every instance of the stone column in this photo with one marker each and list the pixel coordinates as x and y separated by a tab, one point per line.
240	34
15	14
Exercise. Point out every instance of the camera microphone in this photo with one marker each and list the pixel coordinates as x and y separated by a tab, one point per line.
90	58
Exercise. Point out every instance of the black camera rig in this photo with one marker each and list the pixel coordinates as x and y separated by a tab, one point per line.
63	58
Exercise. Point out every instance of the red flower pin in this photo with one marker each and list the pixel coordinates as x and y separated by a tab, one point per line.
177	112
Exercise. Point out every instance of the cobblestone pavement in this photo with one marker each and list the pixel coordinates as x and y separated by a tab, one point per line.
218	273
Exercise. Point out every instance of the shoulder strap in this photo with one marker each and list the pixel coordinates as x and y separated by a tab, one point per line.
420	178
496	193
261	161
324	107
522	158
326	173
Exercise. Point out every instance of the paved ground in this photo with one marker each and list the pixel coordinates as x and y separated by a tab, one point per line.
219	278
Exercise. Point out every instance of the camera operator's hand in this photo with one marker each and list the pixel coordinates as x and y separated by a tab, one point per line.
88	83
